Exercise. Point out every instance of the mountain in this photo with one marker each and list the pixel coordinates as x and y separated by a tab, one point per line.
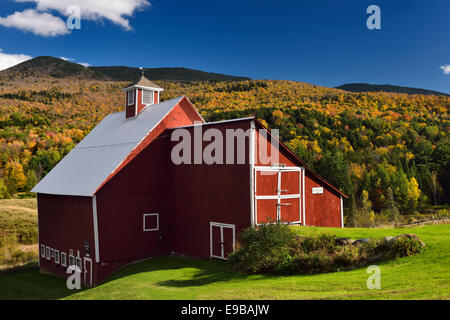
122	73
366	87
46	66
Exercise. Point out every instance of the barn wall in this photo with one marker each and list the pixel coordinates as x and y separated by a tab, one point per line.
65	223
323	210
203	193
140	186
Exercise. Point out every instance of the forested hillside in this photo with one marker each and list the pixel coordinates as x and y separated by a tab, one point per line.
389	152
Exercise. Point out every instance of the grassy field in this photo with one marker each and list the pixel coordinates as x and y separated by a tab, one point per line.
18	232
425	276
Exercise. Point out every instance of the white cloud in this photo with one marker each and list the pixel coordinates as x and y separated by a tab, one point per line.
9	60
446	69
39	23
113	10
84	64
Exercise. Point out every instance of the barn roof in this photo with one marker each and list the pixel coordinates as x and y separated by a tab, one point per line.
143	82
101	152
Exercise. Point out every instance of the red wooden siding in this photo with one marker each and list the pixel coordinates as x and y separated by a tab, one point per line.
208	193
65	223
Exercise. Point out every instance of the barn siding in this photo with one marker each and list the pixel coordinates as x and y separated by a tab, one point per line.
65	222
139	186
323	210
208	193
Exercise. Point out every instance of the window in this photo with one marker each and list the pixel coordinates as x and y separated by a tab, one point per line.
52	253
47	253
71	260
63	259
79	263
147	97
57	256
151	222
130	97
42	251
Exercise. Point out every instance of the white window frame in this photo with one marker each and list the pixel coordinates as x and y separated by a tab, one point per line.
152	96
71	260
222	249
42	251
63	259
157	221
79	263
131	96
52	253
57	256
47	253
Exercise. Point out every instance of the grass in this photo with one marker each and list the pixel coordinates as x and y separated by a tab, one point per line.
424	276
18	230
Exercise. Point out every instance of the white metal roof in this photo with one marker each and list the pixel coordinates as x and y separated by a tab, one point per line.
87	166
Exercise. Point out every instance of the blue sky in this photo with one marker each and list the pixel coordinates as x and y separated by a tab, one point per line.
324	42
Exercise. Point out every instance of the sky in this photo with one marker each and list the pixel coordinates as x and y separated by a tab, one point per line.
324	42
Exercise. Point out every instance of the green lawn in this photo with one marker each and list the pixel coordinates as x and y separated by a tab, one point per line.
425	276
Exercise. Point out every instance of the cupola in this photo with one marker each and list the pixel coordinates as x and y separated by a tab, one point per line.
139	95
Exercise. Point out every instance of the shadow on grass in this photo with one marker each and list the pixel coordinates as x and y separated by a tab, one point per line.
27	283
196	272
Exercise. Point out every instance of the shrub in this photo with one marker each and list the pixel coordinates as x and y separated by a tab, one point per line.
405	246
264	248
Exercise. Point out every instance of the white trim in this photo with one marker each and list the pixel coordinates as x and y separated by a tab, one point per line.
152	97
252	173
128	97
304	199
214	122
221	226
42	251
279	170
95	218
47	253
85	271
71	260
157	221
142	87
275	197
57	257
78	259
342	212
63	261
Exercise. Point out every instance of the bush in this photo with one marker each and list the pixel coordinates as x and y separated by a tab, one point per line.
263	249
275	248
405	246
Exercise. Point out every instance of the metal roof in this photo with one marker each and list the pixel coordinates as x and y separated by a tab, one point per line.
101	152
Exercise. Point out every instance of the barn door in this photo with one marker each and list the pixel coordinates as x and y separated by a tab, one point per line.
277	194
222	240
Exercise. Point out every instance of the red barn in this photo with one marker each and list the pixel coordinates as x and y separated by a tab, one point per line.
156	180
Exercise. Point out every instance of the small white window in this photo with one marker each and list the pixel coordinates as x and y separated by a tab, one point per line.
52	253
130	97
57	256
147	97
71	260
63	259
47	253
79	263
151	222
42	251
